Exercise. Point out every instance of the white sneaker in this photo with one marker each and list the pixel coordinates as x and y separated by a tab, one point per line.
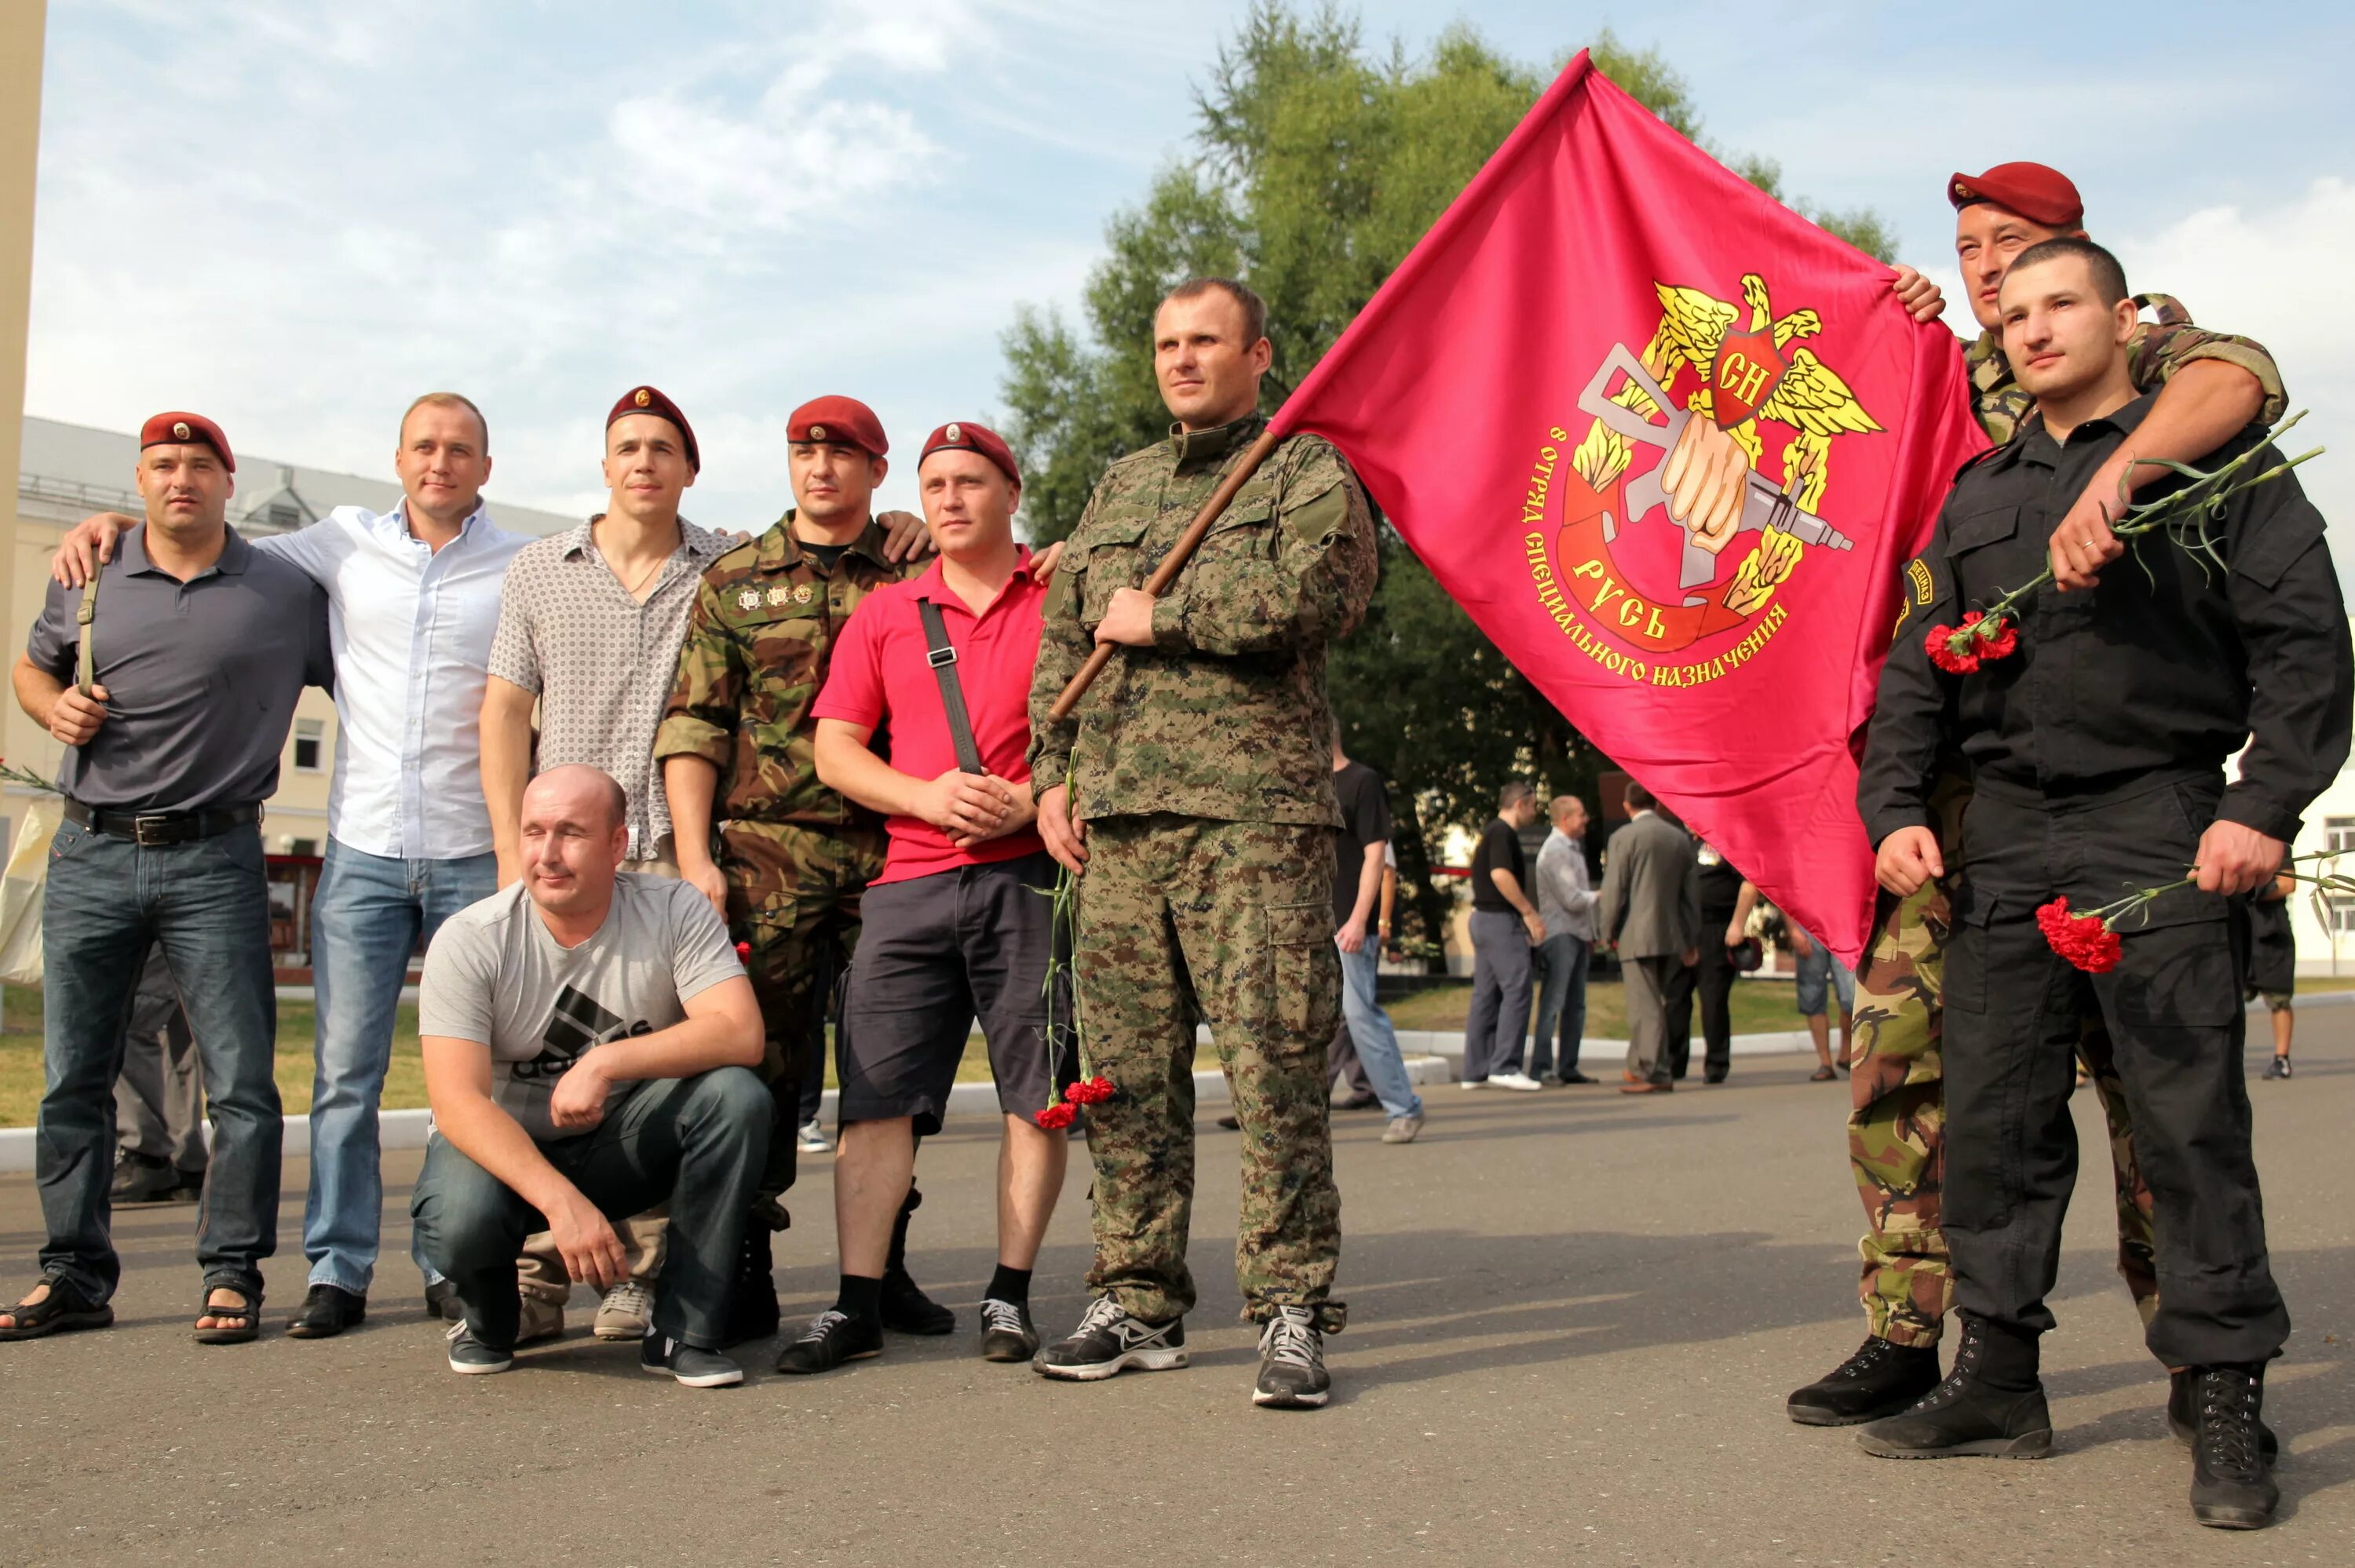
1473	1084
812	1138
1520	1082
626	1313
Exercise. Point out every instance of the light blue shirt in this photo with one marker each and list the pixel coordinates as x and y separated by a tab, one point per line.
1565	898
412	631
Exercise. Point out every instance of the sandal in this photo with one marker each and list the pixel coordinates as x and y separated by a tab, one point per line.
63	1310
248	1317
1822	1075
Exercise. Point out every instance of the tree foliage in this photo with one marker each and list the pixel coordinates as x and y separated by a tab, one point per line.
1317	161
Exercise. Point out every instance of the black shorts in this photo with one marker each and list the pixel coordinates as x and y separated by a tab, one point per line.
935	953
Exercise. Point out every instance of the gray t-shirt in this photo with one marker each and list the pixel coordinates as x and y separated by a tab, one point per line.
496	975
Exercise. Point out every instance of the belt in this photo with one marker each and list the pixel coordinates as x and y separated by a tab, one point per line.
154	828
2084	800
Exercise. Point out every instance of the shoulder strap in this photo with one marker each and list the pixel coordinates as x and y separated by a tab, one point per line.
942	657
86	675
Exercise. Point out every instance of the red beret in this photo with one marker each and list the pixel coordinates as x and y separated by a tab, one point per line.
844	421
2038	193
650	400
179	428
968	436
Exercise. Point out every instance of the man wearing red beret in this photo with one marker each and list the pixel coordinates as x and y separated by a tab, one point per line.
953	928
2210	386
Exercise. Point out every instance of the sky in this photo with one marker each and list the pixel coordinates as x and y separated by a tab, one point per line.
295	217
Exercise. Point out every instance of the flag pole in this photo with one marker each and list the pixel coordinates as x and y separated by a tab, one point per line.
1171	565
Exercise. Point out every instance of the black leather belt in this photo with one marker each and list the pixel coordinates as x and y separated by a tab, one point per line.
153	828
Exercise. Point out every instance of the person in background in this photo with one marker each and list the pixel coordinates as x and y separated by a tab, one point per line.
2272	965
1650	908
159	1100
1505	925
1821	976
1362	844
1566	900
1722	920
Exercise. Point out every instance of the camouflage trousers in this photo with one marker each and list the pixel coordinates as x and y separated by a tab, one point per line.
1897	1127
1180	915
794	898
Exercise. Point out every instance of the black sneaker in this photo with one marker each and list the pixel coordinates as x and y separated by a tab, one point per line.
1108	1341
2232	1478
1881	1378
832	1339
752	1290
471	1356
2182	1419
2277	1068
1006	1333
1292	1373
666	1357
1969	1414
327	1310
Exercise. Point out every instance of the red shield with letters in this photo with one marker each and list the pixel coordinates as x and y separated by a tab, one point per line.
1748	369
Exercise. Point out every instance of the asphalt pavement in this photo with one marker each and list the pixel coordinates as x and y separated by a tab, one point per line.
1574	1317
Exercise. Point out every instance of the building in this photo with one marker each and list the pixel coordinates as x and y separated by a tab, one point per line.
68	471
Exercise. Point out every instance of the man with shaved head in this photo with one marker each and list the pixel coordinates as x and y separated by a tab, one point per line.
589	1039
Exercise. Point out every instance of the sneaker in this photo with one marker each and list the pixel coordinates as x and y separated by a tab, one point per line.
1990	1406
1292	1362
1108	1341
1473	1084
1881	1379
832	1339
626	1313
811	1137
1520	1083
470	1356
539	1321
1006	1333
666	1357
2277	1068
2232	1480
1402	1129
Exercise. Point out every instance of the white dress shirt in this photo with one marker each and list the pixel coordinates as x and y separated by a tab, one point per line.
1565	900
411	628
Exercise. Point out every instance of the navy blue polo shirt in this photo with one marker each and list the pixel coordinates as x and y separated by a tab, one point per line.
201	676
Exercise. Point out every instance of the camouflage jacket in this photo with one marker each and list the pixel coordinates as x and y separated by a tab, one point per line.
2157	350
1226	715
759	642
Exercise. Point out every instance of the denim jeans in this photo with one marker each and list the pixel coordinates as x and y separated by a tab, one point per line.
365	921
1499	1019
207	904
1370	1032
1562	1004
700	1143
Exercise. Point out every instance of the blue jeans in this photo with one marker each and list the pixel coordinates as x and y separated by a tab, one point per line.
1370	1031
1499	1019
1562	1003
365	921
207	904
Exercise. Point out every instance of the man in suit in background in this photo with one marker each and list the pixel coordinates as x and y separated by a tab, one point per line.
1651	909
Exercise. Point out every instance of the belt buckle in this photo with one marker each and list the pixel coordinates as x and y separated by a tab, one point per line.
141	834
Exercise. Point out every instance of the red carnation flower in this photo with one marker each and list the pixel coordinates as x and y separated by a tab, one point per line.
1998	638
1940	645
743	951
2084	940
1090	1091
1059	1115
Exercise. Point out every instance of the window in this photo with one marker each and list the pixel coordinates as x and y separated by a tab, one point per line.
285	517
310	744
302	846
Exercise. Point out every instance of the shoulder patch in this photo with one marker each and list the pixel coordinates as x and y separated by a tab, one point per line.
1917	572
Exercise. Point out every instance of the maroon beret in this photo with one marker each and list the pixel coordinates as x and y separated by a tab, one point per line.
967	437
180	429
845	421
650	400
2038	193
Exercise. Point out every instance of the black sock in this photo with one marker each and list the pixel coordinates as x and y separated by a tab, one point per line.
1011	1285
861	1296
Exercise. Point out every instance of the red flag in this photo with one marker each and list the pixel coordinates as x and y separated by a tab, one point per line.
1510	394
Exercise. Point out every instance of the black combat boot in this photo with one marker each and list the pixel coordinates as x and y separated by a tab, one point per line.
905	1307
1990	1404
2183	1418
752	1290
1881	1378
2232	1478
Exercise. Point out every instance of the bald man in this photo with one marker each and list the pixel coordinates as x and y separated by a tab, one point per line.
589	1039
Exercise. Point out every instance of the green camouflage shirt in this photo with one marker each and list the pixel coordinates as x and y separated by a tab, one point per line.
759	642
1226	715
2157	350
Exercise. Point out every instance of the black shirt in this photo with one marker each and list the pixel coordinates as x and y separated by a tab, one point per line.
1720	886
1365	820
2165	669
1500	850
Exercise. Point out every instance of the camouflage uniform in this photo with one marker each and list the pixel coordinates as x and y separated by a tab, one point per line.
1897	1124
1203	768
798	856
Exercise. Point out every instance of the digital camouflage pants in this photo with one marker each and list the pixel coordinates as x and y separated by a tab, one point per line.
793	897
1896	1130
1233	921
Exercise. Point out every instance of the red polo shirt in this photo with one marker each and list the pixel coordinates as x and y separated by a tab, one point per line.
882	674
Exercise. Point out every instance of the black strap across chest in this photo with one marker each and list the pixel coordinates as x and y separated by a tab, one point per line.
942	657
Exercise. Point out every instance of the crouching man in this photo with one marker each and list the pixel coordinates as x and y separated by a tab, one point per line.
588	1039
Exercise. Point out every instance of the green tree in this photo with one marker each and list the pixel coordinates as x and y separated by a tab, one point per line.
1317	163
